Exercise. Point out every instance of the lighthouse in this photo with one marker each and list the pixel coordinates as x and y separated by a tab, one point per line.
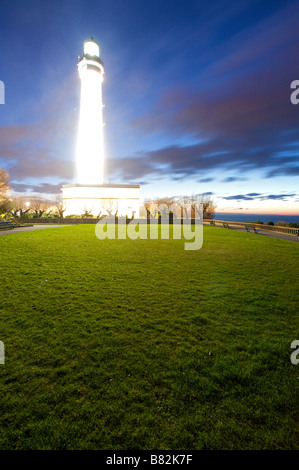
90	146
89	195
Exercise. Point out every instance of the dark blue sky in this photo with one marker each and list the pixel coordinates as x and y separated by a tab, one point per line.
197	96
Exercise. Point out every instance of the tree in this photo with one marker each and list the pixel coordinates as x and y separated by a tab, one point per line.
59	206
188	205
180	206
148	205
159	205
19	206
110	206
86	214
4	189
39	207
185	203
208	205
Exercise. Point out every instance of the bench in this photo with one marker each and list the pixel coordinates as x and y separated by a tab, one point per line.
225	225
212	222
248	228
7	225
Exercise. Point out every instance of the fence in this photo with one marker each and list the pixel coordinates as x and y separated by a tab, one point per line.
270	228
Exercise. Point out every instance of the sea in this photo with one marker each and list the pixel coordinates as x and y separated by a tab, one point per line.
255	217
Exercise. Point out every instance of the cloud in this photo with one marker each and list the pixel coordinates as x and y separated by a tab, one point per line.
205	180
130	168
244	120
42	149
44	188
232	179
26	155
238	197
284	170
259	196
207	193
281	197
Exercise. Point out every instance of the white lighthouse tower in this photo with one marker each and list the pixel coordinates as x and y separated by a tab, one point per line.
89	195
90	148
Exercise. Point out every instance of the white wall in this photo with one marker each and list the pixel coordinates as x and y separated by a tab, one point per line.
124	198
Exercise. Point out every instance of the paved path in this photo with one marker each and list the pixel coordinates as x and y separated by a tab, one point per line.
265	233
30	229
282	236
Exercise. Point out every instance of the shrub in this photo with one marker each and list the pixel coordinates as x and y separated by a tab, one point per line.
281	223
270	222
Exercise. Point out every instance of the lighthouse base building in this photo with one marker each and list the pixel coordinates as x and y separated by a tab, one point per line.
89	195
102	199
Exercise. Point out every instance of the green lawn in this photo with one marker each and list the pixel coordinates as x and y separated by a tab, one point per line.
122	344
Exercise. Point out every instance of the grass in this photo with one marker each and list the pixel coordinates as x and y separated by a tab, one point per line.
122	344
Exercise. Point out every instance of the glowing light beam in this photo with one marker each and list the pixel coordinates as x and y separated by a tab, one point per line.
90	146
